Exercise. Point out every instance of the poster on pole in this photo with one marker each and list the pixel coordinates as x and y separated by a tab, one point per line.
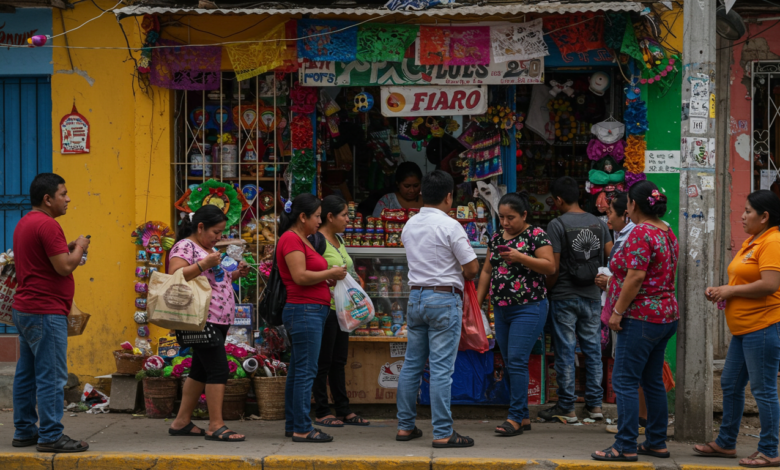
433	101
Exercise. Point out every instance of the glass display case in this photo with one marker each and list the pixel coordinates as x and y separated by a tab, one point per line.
384	273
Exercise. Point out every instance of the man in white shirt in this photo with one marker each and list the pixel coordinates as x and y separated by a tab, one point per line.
439	256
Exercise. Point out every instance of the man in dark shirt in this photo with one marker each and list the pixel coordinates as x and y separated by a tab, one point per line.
581	244
44	269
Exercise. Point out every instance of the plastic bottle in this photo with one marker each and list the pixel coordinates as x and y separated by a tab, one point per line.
84	255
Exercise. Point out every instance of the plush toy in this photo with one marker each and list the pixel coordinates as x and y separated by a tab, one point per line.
566	88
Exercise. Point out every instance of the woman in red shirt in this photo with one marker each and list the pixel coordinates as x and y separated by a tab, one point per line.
305	275
645	314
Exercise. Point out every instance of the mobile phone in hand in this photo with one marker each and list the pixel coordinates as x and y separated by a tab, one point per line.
503	248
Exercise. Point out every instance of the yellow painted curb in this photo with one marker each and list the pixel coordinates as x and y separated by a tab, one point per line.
351	462
112	461
711	467
595	464
454	463
25	461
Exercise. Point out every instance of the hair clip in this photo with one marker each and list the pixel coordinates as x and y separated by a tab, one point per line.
288	207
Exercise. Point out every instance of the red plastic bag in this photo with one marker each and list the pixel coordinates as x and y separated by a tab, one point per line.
472	333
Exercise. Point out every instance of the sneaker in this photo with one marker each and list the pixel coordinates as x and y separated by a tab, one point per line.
597	415
556	412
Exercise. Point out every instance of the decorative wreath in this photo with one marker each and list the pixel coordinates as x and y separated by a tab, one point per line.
565	122
222	195
635	154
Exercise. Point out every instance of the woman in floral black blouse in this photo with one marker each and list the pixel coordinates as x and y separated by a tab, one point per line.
519	258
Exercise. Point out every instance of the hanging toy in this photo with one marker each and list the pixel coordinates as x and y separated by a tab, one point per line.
38	40
363	102
565	87
599	83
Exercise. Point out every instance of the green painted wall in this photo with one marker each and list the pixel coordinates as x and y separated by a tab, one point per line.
664	114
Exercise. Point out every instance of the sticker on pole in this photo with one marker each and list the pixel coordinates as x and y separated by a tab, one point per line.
433	101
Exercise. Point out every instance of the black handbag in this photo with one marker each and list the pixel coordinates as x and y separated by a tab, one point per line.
274	297
208	337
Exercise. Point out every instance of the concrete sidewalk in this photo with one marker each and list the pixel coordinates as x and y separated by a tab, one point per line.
121	441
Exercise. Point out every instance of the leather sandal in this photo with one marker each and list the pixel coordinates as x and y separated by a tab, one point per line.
507	429
223	434
456	440
25	442
413	435
757	457
64	445
329	423
714	452
610	456
186	431
645	449
314	436
356	420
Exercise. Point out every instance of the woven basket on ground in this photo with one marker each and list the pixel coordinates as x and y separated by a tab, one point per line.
270	396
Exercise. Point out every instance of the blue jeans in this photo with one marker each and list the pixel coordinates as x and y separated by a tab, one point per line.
433	321
639	360
42	372
517	329
574	319
753	357
304	324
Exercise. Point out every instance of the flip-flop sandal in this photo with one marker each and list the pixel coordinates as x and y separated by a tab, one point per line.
356	420
760	456
25	442
223	434
290	433
609	456
186	431
507	429
328	423
314	436
456	440
714	452
526	427
413	435
642	450
64	445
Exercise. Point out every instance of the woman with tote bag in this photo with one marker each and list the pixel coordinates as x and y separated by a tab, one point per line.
195	255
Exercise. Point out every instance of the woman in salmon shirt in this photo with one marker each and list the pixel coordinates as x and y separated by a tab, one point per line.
753	315
305	275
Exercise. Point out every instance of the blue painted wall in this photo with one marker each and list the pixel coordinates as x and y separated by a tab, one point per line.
15	28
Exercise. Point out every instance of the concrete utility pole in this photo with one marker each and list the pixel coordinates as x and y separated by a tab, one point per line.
696	266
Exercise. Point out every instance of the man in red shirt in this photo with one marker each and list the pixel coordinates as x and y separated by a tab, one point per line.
44	268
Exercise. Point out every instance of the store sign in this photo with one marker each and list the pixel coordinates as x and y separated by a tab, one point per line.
407	73
433	101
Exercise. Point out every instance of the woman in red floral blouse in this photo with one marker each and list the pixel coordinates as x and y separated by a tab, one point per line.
645	315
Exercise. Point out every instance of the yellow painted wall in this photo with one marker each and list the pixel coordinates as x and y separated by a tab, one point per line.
111	185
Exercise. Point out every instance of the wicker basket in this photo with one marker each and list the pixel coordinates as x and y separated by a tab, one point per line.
270	396
127	363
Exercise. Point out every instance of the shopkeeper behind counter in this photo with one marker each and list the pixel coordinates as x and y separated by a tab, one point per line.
407	193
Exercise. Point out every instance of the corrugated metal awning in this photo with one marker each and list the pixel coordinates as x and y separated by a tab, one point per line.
465	10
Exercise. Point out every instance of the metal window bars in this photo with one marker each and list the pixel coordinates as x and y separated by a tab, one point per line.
190	140
764	130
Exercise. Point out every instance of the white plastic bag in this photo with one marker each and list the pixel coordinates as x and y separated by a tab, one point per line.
353	306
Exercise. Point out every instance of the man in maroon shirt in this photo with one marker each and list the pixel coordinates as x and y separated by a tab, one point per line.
44	268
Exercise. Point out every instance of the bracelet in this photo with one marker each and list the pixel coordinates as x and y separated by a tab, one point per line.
199	267
614	310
